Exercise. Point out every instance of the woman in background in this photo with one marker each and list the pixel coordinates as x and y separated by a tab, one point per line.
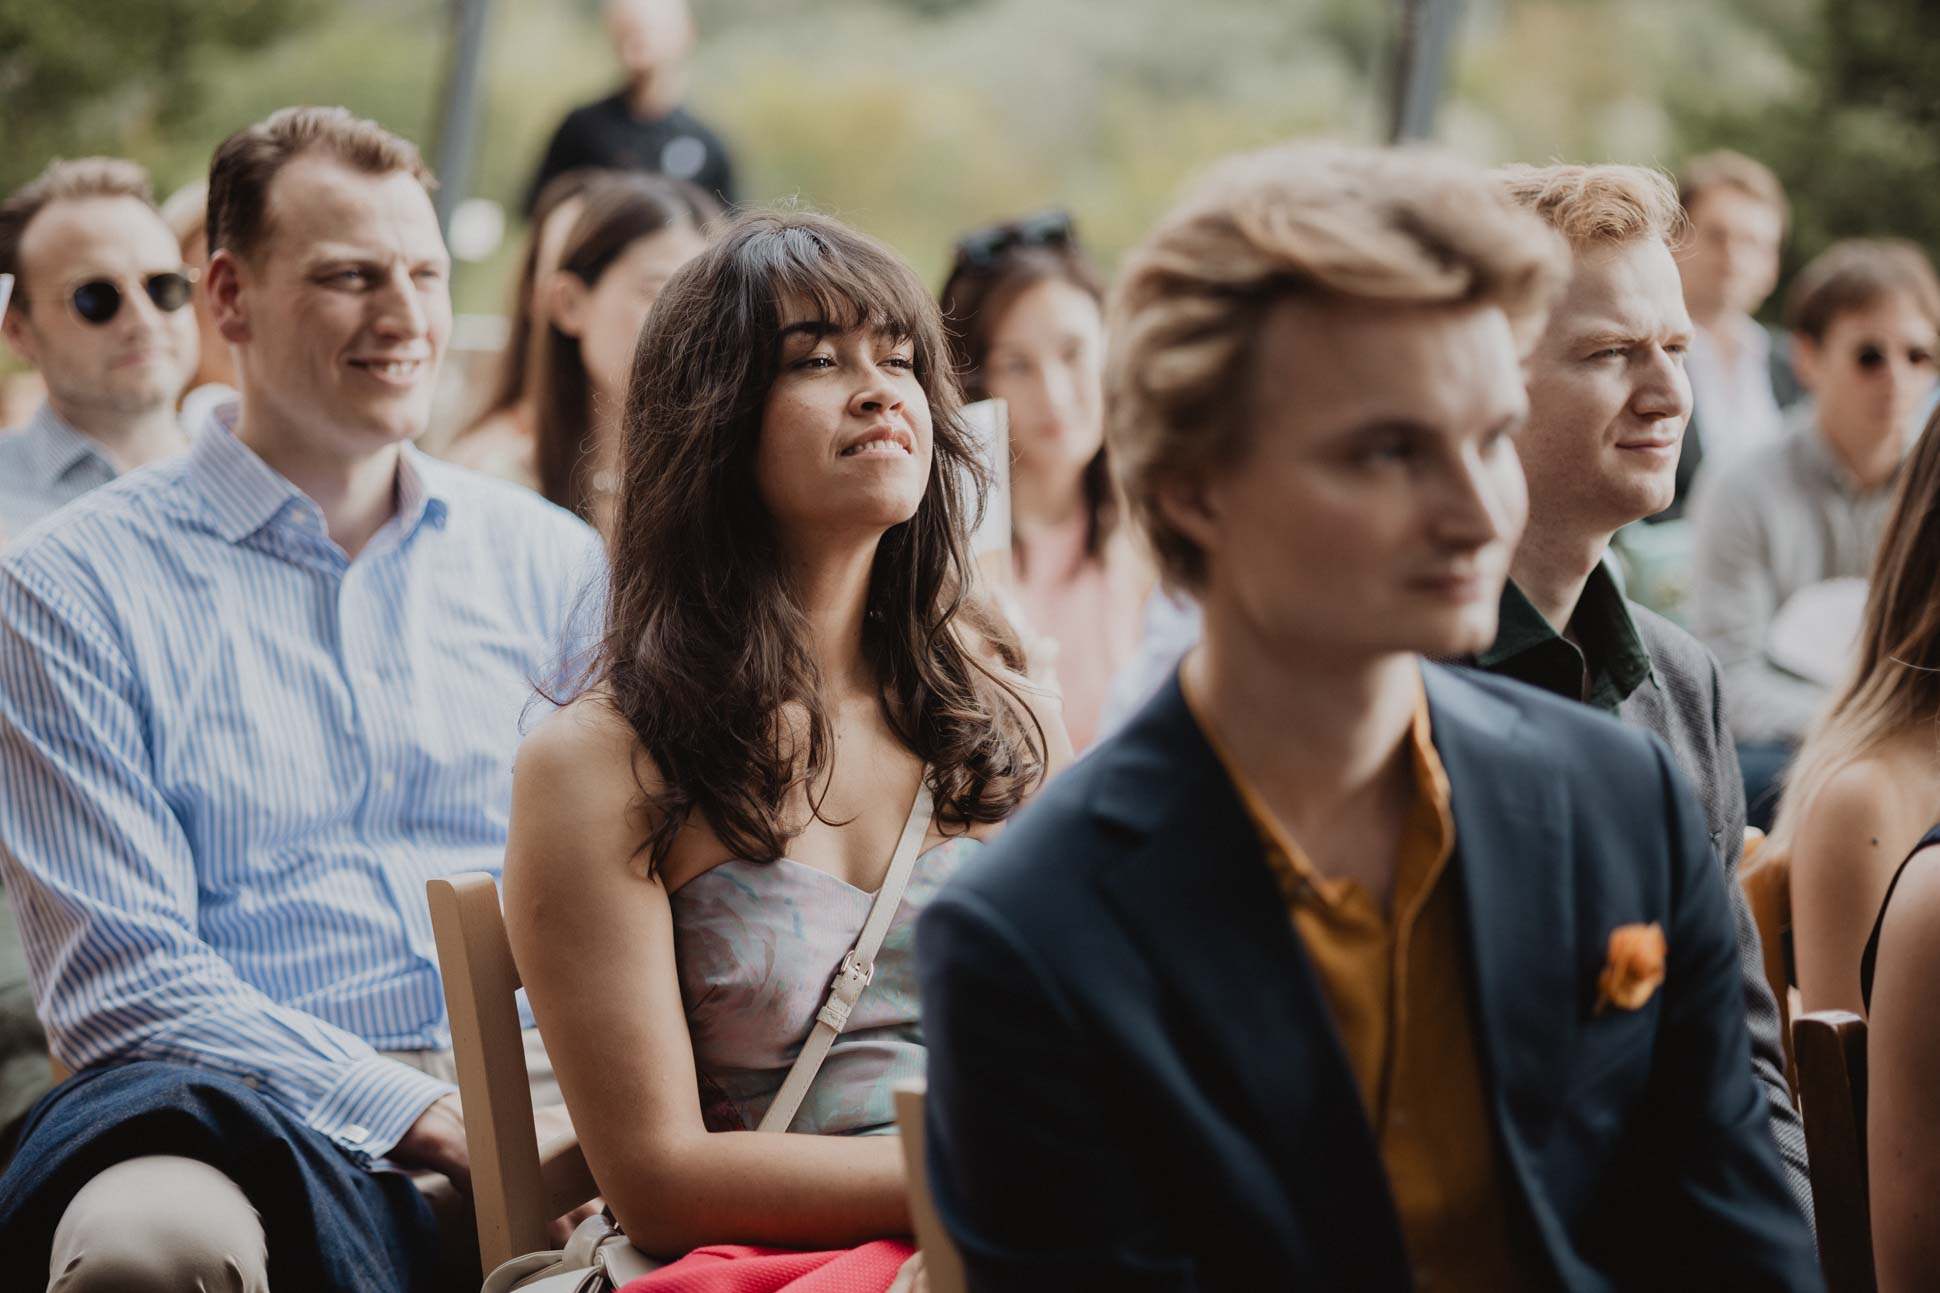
1867	780
793	678
1024	310
633	232
498	441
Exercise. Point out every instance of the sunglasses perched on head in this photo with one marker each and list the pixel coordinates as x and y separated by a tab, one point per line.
98	300
1871	358
984	247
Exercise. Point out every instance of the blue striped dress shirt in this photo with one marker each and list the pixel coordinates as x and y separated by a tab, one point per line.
43	465
233	757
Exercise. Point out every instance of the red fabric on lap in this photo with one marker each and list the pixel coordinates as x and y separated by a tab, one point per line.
736	1268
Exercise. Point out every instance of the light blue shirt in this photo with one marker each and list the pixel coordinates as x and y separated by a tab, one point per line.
45	465
233	757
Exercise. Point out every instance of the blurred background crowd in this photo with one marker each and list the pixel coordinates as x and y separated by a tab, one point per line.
917	119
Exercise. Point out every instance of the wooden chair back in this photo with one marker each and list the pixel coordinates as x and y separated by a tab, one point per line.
1766	877
518	1185
941	1263
1831	1048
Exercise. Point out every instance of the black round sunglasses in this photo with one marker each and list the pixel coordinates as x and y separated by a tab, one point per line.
98	300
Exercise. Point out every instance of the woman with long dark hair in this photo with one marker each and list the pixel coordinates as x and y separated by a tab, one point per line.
498	439
632	232
1024	309
794	669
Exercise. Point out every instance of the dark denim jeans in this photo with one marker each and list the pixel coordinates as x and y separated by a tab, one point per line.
330	1223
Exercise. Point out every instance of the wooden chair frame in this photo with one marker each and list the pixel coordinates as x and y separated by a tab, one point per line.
1831	1047
518	1185
1766	878
942	1264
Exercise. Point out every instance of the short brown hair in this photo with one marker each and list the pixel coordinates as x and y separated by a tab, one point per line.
1599	206
1856	273
1724	169
65	181
247	162
1405	227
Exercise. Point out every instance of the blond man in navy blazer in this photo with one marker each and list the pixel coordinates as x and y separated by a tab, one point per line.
1334	968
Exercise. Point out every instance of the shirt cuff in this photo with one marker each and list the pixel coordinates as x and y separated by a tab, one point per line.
373	1104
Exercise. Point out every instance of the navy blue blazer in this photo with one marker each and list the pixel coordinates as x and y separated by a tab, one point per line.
1135	1082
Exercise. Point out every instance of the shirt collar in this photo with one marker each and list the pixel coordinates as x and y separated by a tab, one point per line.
1434	815
244	493
1609	656
55	449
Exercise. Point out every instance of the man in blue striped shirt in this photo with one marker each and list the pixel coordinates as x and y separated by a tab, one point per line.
250	700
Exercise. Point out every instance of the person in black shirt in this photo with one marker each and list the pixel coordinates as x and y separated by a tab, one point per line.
642	126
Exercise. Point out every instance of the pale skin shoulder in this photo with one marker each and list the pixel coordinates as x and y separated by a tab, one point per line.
1903	1062
1852	836
593	937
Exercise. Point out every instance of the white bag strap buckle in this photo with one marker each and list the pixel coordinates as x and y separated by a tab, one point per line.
845	989
857	969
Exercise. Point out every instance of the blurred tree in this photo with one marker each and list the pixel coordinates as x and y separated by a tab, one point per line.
1856	138
77	76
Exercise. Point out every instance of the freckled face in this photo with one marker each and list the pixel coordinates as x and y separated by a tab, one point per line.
845	434
1608	396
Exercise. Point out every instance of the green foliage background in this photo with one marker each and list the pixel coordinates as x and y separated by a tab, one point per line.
917	118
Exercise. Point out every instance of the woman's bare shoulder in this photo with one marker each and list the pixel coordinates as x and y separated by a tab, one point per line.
582	763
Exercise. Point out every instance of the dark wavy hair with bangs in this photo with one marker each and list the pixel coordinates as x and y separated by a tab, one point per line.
706	648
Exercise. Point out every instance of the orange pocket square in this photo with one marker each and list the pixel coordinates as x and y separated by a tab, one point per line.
1635	967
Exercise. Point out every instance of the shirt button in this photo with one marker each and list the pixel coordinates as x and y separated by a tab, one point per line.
387	781
355	1134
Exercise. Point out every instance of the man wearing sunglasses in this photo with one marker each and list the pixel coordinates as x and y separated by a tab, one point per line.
1865	322
98	310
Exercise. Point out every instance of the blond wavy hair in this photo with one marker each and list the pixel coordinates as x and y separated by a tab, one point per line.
1405	227
1600	206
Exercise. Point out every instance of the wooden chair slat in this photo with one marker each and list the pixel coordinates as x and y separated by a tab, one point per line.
942	1264
1766	878
1831	1048
514	1198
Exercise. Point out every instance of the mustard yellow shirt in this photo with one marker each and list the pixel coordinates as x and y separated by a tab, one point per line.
1398	985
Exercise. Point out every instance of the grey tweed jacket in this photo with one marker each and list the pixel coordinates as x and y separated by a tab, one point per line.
1686	708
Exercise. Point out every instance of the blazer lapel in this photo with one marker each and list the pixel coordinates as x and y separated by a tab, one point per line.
1195	892
1518	895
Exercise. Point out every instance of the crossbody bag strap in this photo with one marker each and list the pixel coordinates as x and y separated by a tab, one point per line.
857	968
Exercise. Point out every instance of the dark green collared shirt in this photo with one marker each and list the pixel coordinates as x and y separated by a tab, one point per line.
1602	660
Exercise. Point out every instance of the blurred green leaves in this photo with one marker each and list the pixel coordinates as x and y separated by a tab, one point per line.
918	118
81	76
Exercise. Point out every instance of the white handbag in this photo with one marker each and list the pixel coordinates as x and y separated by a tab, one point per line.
598	1258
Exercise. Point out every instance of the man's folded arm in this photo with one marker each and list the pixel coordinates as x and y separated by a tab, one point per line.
103	882
1035	1185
